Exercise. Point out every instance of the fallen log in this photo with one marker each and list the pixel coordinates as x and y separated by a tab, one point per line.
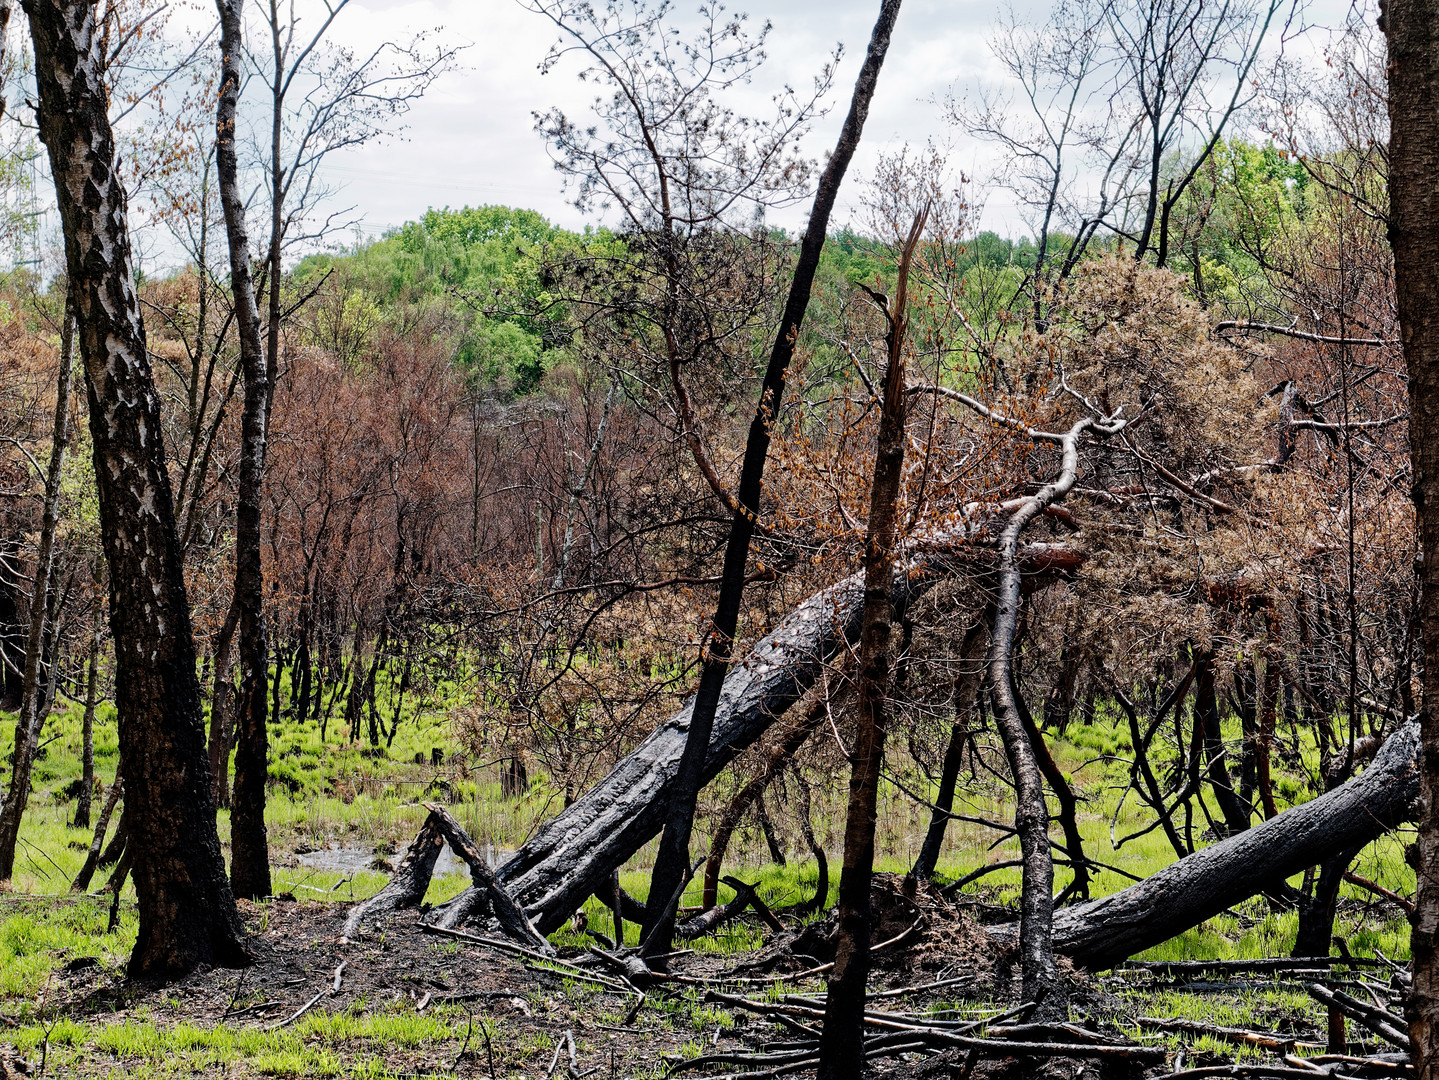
1380	1021
1106	932
507	912
713	918
573	854
406	887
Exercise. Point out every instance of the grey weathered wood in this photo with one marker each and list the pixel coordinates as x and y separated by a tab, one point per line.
507	912
1106	932
572	855
407	887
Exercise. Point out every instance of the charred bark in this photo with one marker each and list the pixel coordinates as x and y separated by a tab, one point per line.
222	704
573	854
806	830
249	845
407	886
1068	804
1106	932
673	856
1317	910
1206	715
1411	28
841	1048
187	911
511	917
715	916
1059	704
1040	977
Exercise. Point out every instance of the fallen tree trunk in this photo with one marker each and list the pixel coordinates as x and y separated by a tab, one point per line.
1106	932
507	913
572	855
411	880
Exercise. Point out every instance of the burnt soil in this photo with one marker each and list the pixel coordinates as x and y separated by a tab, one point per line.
503	1016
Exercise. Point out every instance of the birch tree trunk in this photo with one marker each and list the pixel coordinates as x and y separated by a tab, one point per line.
187	911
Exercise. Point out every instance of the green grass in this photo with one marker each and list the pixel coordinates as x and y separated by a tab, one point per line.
333	792
320	1044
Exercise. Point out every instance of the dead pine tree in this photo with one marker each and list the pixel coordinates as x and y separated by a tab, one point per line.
187	912
672	861
842	1044
1411	28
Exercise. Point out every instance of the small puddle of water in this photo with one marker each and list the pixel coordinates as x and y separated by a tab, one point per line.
349	859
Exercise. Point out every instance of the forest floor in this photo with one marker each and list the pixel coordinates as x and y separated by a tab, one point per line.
412	1004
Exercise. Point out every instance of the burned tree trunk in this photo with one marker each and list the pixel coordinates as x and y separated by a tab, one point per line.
407	886
222	700
841	1048
1411	28
1040	977
573	854
511	917
249	844
1106	932
673	855
187	911
1068	804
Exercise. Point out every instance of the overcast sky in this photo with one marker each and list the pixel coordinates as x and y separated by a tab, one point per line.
472	140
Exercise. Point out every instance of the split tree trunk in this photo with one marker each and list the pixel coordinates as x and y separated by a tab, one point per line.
249	845
672	860
408	884
1412	30
33	696
187	911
